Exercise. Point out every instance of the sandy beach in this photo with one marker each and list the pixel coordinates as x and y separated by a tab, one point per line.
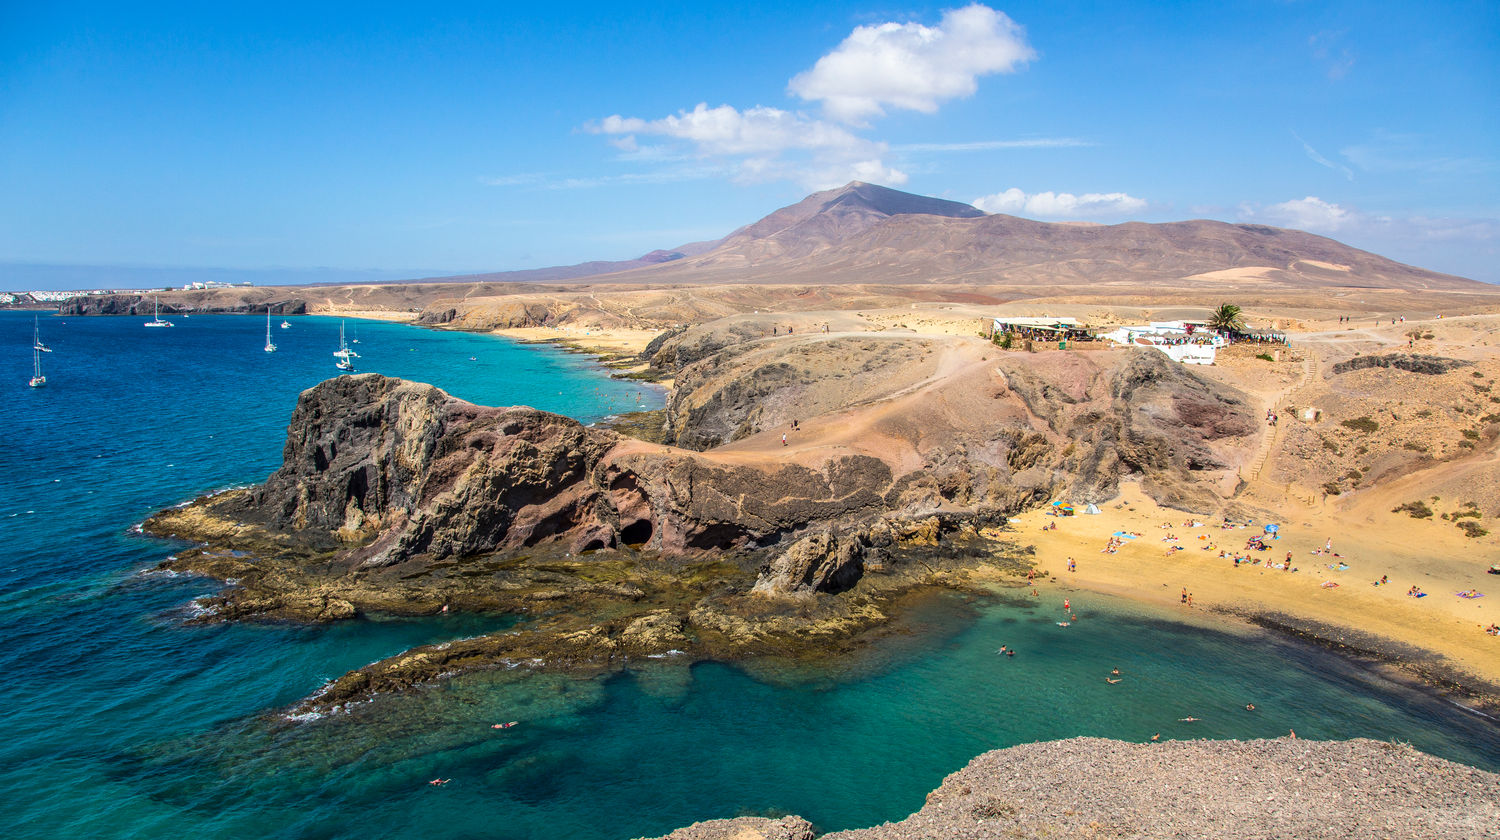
1341	605
600	341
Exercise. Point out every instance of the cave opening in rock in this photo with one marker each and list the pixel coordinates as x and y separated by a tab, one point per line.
637	533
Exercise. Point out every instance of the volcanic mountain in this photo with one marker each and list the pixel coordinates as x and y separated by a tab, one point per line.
863	233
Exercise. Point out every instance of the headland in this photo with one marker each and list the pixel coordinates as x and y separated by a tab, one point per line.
831	448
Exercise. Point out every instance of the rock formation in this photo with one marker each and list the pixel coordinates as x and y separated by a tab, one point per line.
394	496
1253	790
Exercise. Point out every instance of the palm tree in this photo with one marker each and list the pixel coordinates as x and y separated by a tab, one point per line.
1227	319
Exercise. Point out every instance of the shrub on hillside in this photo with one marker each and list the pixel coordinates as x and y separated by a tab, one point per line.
1471	529
1417	510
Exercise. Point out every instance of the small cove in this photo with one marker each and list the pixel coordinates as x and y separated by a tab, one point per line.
126	722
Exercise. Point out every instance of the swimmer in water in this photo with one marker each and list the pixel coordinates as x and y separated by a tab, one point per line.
1190	719
1156	737
1115	672
1110	681
1249	707
439	782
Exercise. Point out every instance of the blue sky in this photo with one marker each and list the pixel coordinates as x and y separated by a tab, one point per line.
406	139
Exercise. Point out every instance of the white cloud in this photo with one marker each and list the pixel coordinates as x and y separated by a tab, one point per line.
770	143
1464	246
1319	216
726	130
911	66
1060	205
1328	48
1389	152
1310	213
897	65
1313	155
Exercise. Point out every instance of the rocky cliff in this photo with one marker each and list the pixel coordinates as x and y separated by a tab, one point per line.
380	471
230	303
395	497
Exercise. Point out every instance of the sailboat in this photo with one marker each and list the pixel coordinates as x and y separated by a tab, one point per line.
344	355
286	325
270	348
36	337
157	321
37	349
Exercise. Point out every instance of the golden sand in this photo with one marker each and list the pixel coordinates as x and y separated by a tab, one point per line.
1431	556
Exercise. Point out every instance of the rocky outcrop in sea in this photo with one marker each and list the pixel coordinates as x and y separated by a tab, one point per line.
1248	790
395	497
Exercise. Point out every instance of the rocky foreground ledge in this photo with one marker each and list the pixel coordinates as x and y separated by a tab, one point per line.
1095	788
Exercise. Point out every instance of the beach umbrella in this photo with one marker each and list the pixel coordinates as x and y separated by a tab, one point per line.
1272	528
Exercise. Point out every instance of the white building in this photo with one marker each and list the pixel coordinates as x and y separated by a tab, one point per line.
1188	342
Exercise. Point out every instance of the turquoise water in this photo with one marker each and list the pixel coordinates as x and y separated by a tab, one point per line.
122	721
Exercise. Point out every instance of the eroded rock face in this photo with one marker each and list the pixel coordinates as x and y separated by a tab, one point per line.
1057	423
819	562
379	471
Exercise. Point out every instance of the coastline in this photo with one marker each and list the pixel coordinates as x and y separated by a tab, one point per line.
1426	641
1433	643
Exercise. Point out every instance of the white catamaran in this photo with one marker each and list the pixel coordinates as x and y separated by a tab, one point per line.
344	355
270	348
37	349
157	321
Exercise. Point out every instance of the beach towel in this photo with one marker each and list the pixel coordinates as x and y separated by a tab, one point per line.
1124	536
1339	567
1467	595
1420	595
1329	584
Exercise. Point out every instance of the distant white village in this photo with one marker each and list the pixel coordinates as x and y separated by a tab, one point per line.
61	295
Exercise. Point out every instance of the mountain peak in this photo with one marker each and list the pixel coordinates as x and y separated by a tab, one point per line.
846	211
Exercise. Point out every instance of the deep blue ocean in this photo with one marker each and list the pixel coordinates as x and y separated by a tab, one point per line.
121	720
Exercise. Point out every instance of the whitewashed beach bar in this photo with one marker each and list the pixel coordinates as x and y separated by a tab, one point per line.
1188	342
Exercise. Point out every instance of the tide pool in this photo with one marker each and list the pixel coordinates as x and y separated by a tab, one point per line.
124	721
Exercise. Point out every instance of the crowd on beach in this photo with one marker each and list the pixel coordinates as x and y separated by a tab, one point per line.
1255	544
